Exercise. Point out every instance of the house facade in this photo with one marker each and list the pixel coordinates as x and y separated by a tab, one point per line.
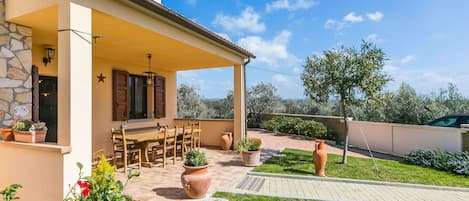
79	66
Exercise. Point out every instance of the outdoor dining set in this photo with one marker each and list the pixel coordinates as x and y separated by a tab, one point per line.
148	146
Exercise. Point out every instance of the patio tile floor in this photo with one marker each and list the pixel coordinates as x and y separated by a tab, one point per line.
226	167
160	183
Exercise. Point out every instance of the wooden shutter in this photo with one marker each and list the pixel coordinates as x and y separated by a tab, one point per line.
120	99
35	80
160	97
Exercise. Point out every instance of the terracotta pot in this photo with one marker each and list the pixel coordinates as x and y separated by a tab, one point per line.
196	181
320	158
226	140
7	134
251	158
30	136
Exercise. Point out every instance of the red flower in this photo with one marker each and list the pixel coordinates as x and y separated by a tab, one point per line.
83	184
85	192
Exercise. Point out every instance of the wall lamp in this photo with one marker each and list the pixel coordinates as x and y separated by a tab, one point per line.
49	54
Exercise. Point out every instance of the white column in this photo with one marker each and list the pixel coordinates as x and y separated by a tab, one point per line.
239	103
74	88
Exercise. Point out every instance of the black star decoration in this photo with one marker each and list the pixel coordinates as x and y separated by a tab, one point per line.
101	78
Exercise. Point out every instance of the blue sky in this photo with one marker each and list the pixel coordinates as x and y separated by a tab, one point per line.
426	41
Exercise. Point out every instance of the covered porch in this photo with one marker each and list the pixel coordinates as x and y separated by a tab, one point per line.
92	39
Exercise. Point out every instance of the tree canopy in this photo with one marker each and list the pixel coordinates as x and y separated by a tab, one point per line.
355	76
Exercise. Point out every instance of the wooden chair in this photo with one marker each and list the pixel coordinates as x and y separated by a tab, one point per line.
156	151
187	140
127	150
196	134
169	145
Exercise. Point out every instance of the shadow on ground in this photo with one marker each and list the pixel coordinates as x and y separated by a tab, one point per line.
375	154
266	154
171	193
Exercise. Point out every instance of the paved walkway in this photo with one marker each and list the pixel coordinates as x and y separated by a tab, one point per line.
279	142
333	189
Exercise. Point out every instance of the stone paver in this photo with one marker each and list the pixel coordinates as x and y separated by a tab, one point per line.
312	188
160	183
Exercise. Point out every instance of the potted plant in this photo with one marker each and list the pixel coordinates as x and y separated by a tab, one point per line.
27	131
196	178
250	148
7	134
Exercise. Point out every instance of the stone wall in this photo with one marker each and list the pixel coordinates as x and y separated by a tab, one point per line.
15	71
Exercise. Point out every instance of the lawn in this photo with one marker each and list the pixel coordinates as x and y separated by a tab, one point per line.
245	197
299	162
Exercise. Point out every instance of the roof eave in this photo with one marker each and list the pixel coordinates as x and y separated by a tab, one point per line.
191	25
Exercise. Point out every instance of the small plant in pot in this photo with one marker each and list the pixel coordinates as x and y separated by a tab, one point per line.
196	178
7	134
250	148
27	131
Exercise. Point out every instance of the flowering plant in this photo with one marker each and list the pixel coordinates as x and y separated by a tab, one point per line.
9	193
100	186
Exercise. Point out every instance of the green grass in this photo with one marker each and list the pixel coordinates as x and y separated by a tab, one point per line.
245	197
299	162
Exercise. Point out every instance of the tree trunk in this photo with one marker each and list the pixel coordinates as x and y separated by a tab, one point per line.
344	114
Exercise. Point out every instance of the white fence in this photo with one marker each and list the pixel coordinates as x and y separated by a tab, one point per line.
400	139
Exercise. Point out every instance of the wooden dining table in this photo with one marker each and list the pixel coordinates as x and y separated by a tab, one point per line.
145	138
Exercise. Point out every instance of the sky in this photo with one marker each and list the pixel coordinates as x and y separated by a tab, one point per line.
425	41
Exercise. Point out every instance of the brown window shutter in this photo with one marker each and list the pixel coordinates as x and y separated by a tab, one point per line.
35	80
160	97
120	107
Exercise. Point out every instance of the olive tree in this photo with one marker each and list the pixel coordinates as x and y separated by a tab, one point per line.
355	76
262	98
189	104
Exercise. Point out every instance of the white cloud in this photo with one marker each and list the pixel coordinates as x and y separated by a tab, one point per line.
248	20
188	74
224	35
290	5
407	59
376	16
425	81
192	2
333	24
353	18
288	86
374	38
269	52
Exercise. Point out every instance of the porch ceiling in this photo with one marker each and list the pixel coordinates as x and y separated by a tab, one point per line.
124	43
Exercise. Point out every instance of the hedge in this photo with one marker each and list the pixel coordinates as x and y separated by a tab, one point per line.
294	125
455	162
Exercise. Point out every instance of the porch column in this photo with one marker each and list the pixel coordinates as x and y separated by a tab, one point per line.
239	103
74	88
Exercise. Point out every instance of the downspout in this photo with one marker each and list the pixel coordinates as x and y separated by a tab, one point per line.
245	133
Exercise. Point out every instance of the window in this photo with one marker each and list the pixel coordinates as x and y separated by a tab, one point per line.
445	122
137	92
130	96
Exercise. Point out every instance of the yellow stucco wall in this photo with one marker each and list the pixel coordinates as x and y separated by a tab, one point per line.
20	163
211	129
102	98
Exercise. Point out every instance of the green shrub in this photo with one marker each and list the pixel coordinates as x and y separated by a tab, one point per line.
312	128
283	124
455	162
294	125
195	158
248	144
9	193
